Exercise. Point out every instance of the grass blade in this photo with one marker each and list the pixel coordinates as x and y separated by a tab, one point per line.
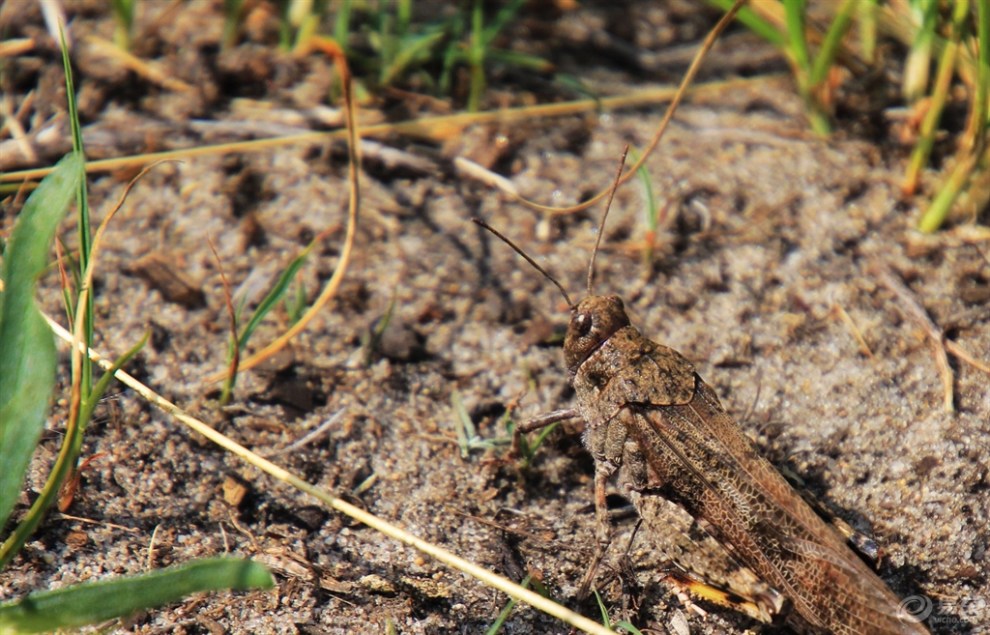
652	209
412	49
104	382
271	299
80	403
866	12
919	60
941	205
832	43
342	24
27	350
797	44
89	603
503	616
334	51
626	626
606	622
755	23
123	15
939	96
462	424
82	208
231	22
392	531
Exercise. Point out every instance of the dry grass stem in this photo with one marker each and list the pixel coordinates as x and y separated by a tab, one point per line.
353	207
688	78
15	47
857	334
145	69
12	124
966	356
101	523
429	128
481	574
917	313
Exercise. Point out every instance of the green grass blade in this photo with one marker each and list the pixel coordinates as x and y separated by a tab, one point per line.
412	50
919	60
85	233
342	24
89	603
403	13
123	14
982	114
453	54
544	433
295	302
271	300
82	209
652	209
371	340
27	346
107	377
476	57
231	22
939	96
384	41
829	49
794	12
521	60
501	20
503	616
626	626
264	308
606	622
941	205
754	22
866	14
462	424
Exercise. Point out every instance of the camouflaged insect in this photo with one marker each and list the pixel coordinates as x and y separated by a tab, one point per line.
652	421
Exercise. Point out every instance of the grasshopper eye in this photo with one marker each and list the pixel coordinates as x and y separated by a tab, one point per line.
593	322
583	324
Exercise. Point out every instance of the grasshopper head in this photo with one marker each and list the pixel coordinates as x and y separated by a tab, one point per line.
593	320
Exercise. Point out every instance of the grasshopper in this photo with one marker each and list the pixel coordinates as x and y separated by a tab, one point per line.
654	424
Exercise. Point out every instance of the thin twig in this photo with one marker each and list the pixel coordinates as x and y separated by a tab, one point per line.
12	124
916	312
966	356
864	348
311	436
235	353
101	523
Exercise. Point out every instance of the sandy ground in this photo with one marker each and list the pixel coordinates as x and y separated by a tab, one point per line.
771	238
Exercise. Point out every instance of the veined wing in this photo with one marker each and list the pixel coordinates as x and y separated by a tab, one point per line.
705	463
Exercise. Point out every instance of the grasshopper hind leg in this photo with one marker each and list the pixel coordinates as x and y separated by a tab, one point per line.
762	603
699	568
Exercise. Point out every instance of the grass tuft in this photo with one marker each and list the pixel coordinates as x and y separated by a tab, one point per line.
956	41
27	354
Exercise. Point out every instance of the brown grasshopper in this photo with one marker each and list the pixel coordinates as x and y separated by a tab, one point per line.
651	420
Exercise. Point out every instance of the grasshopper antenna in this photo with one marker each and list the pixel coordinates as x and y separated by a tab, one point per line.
601	226
567	298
